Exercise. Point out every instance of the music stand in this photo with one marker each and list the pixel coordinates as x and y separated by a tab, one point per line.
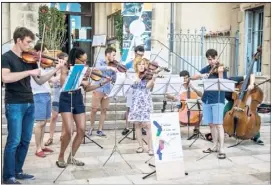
167	85
194	105
119	90
71	84
218	84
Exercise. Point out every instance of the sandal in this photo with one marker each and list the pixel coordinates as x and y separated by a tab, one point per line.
209	150
150	153
221	156
140	150
49	142
75	162
61	164
208	137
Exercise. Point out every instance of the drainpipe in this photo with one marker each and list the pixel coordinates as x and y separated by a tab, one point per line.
171	43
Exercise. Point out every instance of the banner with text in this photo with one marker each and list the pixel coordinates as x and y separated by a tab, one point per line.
167	145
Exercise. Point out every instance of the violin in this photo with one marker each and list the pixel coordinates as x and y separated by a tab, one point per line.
94	74
32	57
243	121
120	67
148	75
154	65
214	69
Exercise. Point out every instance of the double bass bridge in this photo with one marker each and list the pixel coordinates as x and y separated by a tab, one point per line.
238	109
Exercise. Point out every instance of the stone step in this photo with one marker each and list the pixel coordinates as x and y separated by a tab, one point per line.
120	124
155	98
108	125
119	106
111	115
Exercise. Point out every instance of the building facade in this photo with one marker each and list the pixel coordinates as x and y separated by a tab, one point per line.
235	30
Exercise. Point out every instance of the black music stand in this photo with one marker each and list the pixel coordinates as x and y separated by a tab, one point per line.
98	40
92	141
194	105
71	84
218	84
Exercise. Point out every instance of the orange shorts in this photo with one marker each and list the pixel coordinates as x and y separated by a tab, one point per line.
98	99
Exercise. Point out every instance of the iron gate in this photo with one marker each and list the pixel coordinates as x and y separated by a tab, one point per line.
191	47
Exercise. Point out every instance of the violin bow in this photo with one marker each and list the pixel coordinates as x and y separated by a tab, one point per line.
39	63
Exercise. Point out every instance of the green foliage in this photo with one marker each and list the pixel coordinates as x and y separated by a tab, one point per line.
55	27
118	24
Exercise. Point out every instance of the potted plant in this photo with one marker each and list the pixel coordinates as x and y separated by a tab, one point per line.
118	24
55	28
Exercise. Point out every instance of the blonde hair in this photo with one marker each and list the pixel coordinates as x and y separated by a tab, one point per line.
137	61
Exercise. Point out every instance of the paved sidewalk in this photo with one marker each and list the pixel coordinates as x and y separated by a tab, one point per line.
247	163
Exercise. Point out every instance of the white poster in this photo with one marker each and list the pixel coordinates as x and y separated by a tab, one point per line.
82	34
167	145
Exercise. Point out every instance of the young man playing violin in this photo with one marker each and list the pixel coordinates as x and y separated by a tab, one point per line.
186	85
229	105
16	73
213	104
99	96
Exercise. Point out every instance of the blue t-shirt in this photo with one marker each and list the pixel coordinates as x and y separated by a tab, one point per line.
211	97
129	65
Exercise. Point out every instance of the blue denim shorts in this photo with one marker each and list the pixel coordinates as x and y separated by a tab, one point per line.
77	104
42	102
213	113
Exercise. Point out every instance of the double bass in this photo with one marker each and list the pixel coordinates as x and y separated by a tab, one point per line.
243	121
187	117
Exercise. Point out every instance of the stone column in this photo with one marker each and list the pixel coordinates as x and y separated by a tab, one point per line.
6	36
266	52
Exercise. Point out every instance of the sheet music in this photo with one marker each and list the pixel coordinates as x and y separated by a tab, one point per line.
121	85
167	85
74	77
217	84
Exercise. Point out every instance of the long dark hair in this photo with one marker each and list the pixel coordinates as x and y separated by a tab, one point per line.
74	54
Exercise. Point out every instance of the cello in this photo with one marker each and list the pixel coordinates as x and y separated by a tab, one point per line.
187	117
242	121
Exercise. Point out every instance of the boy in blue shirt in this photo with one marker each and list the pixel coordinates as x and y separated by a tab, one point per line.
213	104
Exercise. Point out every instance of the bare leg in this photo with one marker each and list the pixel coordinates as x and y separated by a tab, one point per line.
80	120
93	114
214	136
104	107
42	134
53	121
149	136
38	134
67	123
138	130
96	101
102	119
221	135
